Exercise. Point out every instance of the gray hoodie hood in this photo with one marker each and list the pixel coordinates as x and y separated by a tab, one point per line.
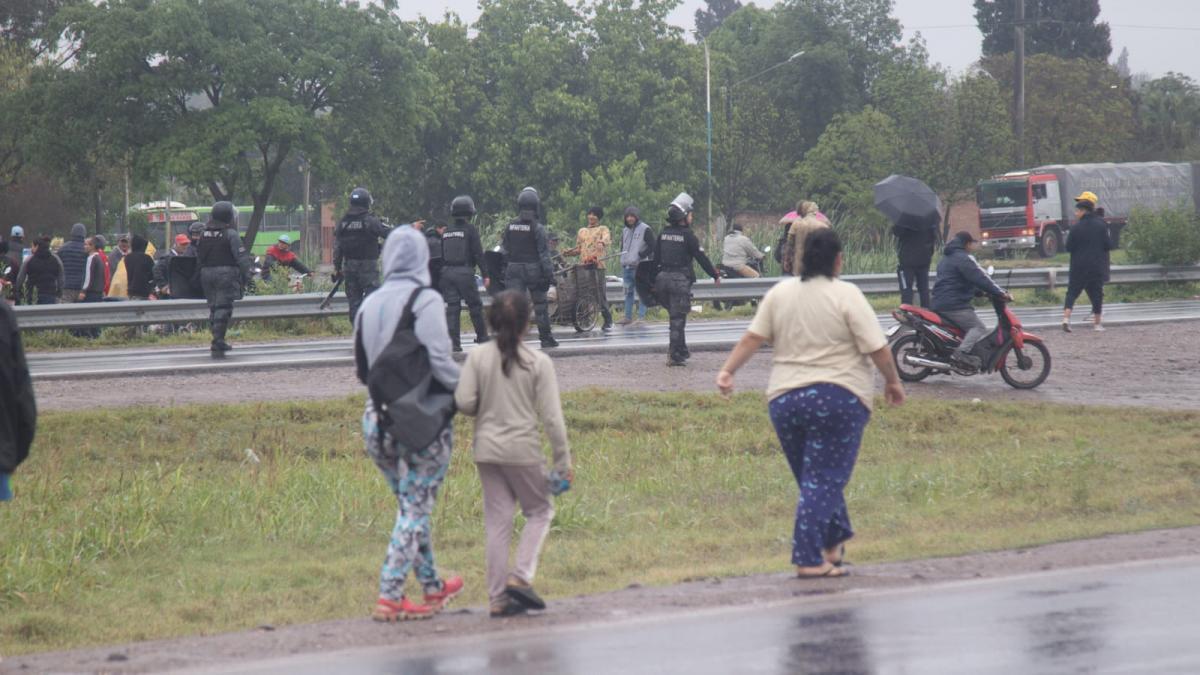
78	231
406	257
405	269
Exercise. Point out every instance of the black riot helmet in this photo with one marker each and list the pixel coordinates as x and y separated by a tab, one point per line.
224	212
529	204
361	198
462	207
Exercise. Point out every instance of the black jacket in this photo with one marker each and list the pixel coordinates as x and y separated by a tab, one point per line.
958	279
1089	244
914	248
695	252
18	411
41	272
139	273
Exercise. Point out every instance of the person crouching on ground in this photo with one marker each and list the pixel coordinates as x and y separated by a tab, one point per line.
508	387
825	336
414	474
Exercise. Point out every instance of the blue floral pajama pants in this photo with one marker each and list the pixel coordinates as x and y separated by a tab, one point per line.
820	428
414	477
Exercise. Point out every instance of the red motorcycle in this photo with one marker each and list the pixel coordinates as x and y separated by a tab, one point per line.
1021	358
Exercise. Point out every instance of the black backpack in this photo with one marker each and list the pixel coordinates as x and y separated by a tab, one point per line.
412	406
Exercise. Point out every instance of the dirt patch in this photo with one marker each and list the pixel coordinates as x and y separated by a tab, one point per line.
265	642
1133	365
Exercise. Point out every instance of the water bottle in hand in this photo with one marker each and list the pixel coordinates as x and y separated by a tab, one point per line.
558	483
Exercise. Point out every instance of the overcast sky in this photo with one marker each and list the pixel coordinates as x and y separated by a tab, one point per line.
1162	35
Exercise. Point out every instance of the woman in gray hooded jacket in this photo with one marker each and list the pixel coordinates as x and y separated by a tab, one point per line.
414	474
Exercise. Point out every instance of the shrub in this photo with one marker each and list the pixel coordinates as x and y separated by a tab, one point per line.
1169	236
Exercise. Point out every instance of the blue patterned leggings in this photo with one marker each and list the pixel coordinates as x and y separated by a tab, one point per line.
414	477
820	428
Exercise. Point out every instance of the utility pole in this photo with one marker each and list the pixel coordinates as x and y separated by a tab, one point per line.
307	229
1019	81
708	124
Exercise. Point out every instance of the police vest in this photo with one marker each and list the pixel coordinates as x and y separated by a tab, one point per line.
521	242
455	247
358	239
673	250
214	249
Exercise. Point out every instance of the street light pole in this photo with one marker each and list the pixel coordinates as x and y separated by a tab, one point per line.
708	123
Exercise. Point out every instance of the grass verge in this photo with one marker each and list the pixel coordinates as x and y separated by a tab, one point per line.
150	523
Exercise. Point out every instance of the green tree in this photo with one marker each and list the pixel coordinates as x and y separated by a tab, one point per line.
241	87
1077	110
28	24
14	79
714	14
1068	29
855	152
612	187
1169	116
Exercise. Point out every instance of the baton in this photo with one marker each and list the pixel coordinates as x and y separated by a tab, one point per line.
329	298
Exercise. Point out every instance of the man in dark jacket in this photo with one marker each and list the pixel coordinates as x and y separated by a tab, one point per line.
74	260
18	415
40	280
162	266
959	278
674	251
139	270
914	248
1089	245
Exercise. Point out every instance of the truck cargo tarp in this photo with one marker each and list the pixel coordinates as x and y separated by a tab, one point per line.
1124	187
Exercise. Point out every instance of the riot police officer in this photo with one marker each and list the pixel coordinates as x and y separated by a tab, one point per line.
356	249
462	252
224	271
676	248
528	253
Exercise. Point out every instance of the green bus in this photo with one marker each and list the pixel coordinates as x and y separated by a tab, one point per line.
276	221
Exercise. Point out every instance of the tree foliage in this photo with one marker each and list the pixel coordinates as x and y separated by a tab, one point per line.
1169	113
612	187
1077	110
714	14
1068	29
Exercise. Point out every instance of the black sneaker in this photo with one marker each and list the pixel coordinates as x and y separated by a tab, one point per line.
524	595
968	360
222	345
549	342
484	339
457	348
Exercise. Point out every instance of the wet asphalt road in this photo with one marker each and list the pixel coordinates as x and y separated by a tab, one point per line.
1129	618
650	337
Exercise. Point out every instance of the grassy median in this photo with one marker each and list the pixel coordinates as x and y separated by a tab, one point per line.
146	523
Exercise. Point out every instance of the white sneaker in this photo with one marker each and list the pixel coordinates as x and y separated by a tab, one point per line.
1099	328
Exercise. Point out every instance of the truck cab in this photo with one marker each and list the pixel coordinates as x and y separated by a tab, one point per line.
1021	210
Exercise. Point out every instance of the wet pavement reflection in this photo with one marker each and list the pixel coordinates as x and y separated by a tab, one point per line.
1137	618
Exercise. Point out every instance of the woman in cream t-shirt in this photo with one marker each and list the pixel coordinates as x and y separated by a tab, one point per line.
825	336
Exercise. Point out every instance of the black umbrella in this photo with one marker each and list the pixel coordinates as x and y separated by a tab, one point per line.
908	202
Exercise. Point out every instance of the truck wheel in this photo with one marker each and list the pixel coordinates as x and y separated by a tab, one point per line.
1050	243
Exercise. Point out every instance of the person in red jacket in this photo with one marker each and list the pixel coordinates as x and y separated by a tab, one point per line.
281	254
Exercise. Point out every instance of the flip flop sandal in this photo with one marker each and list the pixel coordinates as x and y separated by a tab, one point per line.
833	572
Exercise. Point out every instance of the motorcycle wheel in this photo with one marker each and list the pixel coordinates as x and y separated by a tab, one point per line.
586	311
1025	368
910	343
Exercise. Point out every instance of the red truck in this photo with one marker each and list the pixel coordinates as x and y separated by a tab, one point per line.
1035	209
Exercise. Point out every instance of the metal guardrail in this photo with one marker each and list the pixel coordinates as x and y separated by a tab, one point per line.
302	305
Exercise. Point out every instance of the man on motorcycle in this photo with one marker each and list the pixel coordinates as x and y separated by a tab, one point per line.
959	279
739	252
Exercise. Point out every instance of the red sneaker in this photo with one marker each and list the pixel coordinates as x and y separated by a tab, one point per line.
388	610
451	587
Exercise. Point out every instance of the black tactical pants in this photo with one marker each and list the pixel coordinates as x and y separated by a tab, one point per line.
674	291
361	279
222	286
458	285
527	277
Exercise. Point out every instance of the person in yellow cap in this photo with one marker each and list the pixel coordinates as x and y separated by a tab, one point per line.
1088	243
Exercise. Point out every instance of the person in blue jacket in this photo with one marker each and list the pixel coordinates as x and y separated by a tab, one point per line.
959	279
